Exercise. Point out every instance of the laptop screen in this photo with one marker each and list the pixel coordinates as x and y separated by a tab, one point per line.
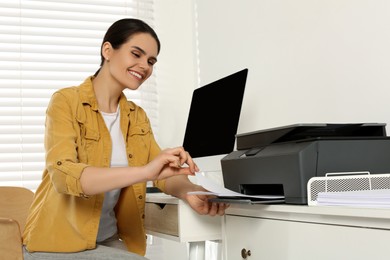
214	115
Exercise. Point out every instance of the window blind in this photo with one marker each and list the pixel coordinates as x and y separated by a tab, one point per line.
44	46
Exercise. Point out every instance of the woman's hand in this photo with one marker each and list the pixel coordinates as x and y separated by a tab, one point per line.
202	205
170	162
180	186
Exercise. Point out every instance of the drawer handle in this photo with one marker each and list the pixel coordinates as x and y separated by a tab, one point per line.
245	253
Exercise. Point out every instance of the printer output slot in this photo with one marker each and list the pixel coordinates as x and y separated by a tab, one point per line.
252	152
262	189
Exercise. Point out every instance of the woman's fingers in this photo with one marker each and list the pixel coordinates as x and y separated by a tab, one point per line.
181	157
222	208
190	162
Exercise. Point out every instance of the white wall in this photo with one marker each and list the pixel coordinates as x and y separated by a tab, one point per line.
310	61
176	68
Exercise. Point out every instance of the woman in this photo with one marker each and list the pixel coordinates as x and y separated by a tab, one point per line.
100	152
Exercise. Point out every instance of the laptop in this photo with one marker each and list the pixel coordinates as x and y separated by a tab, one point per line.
214	115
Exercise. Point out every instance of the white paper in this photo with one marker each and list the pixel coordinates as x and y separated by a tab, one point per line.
217	190
365	198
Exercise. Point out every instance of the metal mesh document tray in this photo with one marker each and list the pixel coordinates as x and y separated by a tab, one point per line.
345	181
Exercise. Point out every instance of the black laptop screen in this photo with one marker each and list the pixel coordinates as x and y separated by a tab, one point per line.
214	115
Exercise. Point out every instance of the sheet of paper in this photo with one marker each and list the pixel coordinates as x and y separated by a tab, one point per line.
217	190
363	198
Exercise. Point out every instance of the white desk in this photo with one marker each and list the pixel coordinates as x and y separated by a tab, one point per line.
170	218
290	232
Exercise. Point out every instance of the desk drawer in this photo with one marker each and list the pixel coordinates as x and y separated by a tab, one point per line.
162	218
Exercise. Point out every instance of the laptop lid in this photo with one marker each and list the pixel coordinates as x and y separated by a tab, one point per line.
214	115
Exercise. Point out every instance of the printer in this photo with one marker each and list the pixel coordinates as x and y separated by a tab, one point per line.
280	161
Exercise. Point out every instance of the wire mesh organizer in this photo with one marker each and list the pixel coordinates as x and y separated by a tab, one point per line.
345	181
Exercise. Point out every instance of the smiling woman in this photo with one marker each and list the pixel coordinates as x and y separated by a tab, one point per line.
100	146
47	45
100	152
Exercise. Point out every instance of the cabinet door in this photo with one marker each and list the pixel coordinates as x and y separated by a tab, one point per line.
265	239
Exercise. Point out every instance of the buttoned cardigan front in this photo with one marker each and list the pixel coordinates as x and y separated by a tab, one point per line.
62	218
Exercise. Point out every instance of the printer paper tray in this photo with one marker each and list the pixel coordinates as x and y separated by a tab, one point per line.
246	200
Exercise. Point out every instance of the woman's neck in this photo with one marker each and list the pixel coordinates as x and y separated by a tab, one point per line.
107	95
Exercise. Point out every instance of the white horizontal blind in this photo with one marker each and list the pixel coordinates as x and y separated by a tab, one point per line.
44	46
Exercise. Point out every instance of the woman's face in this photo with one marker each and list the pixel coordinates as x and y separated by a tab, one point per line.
133	62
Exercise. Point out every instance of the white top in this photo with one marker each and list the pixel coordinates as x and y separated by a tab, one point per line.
107	226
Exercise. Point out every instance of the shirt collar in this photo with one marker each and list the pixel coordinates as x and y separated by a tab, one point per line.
87	96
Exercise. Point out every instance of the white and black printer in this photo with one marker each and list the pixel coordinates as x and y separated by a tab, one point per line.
280	161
